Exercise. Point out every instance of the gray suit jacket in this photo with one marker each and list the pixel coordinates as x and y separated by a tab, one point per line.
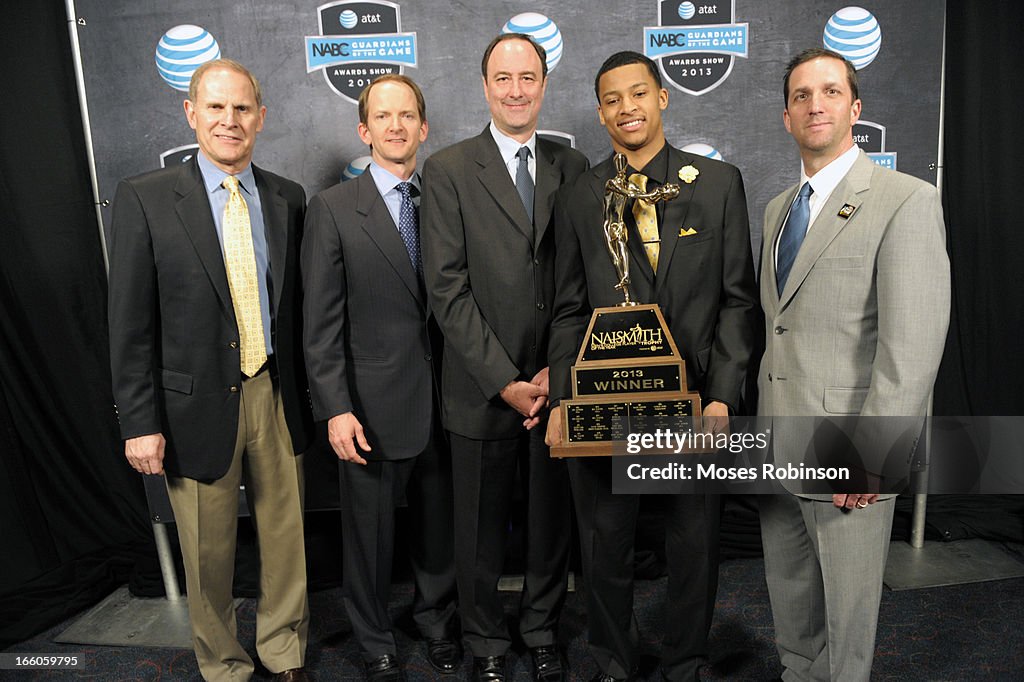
366	337
489	272
861	325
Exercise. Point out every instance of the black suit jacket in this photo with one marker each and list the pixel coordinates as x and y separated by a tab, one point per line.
489	271
704	285
174	342
368	347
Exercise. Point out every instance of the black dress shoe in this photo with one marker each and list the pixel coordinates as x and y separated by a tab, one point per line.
605	677
444	654
488	669
548	665
292	675
384	668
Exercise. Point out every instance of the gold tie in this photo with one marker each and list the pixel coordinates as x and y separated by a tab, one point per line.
646	221
240	261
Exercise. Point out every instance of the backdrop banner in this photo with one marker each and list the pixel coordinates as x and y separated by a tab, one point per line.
722	62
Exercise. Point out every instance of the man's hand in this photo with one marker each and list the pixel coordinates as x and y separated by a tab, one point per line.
854	500
146	453
716	417
554	432
523	397
343	432
540	402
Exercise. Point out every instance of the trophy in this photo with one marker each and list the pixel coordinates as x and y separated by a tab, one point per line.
628	376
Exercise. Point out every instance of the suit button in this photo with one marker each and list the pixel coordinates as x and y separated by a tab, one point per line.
769	377
428	357
233	389
536	261
540	306
233	344
780	330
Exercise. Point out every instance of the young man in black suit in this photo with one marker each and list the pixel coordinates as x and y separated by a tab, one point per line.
698	268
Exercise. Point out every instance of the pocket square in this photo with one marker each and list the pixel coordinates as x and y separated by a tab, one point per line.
687	231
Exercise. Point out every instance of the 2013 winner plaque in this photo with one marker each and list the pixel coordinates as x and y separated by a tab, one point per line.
628	378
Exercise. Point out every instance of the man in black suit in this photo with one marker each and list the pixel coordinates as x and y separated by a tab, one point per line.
488	259
371	360
698	268
207	367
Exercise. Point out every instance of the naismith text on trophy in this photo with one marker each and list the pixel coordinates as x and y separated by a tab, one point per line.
629	376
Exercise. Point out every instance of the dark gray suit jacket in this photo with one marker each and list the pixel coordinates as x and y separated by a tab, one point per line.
174	343
490	274
368	349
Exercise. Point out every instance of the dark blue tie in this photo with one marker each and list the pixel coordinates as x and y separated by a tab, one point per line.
524	183
408	226
793	234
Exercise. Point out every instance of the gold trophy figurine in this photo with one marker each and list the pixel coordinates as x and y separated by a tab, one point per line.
616	192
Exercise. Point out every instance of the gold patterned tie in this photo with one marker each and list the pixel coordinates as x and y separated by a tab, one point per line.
240	261
646	221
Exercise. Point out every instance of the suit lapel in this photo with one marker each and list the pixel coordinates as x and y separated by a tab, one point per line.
674	216
495	178
380	227
829	224
193	209
549	178
275	224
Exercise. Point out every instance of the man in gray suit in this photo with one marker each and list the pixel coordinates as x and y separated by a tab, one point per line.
488	260
855	290
372	349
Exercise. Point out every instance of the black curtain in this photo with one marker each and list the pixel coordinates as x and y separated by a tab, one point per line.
982	371
72	514
73	517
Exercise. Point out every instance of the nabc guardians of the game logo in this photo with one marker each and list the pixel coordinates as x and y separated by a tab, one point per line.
696	44
359	40
870	137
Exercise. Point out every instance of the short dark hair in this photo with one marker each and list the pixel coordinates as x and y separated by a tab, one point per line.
364	96
502	37
625	58
814	53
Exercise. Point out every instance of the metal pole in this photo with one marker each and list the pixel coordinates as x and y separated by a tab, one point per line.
76	55
921	499
167	572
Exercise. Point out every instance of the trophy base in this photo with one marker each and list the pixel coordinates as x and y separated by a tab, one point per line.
600	427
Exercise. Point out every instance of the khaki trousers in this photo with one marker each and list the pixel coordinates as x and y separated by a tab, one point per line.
207	519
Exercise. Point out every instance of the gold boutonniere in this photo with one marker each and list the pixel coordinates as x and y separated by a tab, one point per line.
688	174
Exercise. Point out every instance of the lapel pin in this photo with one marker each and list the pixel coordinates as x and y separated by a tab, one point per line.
846	211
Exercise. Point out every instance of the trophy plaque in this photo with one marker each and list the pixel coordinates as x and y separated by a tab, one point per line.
628	376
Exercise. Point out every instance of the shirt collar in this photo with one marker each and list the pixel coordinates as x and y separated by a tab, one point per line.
214	176
386	181
508	147
657	168
826	180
